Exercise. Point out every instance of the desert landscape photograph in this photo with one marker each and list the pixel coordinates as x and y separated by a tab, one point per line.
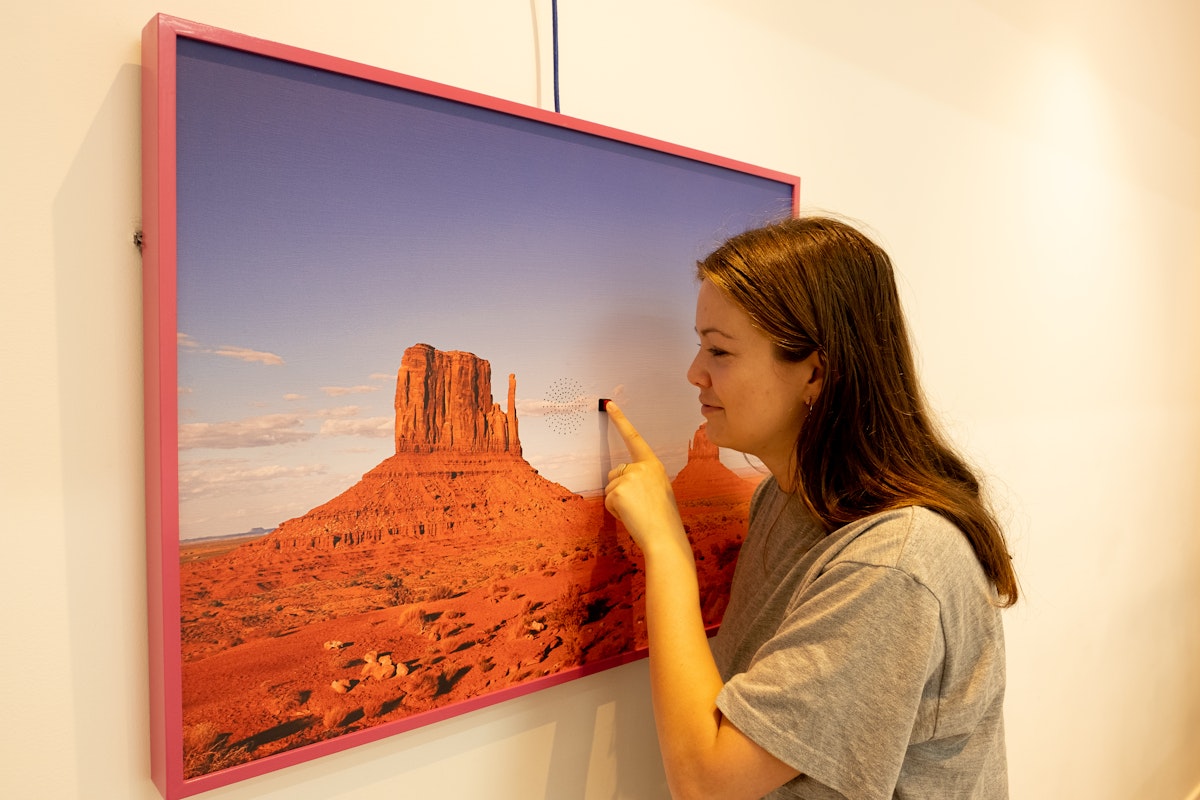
395	316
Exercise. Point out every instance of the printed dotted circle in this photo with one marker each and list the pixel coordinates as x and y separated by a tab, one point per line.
566	406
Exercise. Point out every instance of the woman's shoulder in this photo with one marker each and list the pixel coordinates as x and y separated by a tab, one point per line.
917	541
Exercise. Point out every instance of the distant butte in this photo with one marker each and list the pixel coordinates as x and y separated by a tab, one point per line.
704	477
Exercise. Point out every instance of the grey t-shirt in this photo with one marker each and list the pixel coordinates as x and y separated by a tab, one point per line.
871	659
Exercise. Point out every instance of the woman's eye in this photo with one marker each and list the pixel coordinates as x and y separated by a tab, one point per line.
716	351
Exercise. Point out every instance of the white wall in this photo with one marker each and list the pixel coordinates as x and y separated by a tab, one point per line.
1034	168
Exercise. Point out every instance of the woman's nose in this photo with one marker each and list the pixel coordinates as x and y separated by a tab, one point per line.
696	374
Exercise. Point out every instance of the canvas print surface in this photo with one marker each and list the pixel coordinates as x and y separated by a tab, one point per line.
396	313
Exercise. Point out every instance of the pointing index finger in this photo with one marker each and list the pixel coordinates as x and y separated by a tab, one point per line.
639	449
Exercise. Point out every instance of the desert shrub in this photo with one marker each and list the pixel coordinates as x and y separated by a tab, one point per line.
531	606
568	611
414	617
206	749
396	591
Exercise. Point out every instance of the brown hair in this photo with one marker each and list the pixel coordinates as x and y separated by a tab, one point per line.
816	284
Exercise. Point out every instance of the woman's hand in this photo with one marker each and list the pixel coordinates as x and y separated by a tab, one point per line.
639	493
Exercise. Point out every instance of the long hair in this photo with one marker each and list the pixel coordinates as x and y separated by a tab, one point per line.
816	284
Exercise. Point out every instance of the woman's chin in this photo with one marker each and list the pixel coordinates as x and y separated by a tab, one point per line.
715	434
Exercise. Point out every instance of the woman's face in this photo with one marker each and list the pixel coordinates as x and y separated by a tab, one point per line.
753	401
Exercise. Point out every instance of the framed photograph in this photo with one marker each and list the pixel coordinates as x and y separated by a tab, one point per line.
380	316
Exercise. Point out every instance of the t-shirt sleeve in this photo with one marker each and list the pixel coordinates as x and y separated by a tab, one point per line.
836	690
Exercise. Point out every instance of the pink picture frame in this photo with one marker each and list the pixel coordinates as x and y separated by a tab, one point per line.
379	315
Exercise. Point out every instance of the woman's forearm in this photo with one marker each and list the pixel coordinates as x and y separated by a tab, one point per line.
684	678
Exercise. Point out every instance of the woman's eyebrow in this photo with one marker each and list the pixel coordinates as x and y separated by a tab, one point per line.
718	331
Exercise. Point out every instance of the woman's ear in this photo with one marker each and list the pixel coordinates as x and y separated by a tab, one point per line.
815	364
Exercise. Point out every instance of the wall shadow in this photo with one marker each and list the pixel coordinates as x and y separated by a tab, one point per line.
98	292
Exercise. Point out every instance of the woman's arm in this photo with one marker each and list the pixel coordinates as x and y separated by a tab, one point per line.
704	755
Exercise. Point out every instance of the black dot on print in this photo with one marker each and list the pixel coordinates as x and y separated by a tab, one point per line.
565	406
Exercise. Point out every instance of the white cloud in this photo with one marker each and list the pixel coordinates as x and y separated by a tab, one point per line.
372	428
224	476
341	412
292	396
527	409
339	391
186	342
262	431
563	405
247	355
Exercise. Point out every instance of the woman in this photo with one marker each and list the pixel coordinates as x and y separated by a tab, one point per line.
862	653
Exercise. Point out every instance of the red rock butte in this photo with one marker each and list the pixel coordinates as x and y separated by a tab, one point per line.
444	403
458	468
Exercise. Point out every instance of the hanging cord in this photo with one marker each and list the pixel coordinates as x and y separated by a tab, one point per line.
554	35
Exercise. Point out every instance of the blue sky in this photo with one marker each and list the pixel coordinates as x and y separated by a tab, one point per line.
328	223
